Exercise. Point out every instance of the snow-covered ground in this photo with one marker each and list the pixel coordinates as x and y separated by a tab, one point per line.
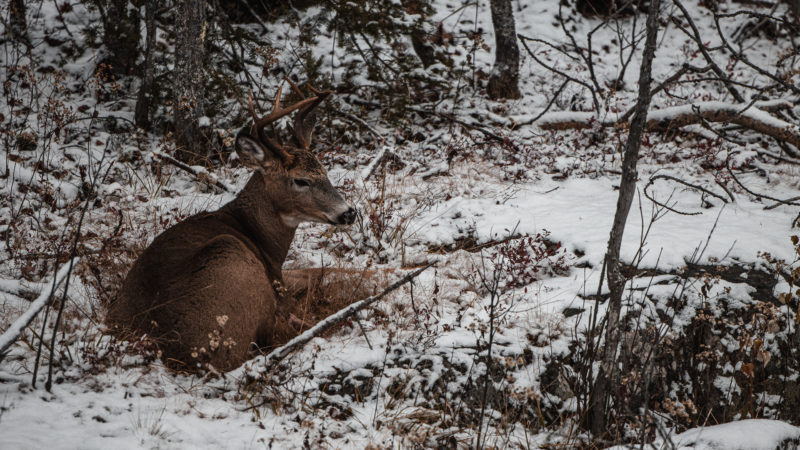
414	375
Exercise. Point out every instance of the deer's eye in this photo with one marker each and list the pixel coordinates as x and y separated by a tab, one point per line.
301	182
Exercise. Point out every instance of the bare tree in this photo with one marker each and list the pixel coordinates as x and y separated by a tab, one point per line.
145	96
627	188
504	80
190	79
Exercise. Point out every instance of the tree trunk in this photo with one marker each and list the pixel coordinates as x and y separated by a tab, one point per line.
143	100
190	80
120	35
419	38
504	80
616	280
18	22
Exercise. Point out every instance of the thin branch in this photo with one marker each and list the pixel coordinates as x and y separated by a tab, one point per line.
201	175
664	84
556	71
329	322
554	47
704	50
790	201
741	57
547	107
685	183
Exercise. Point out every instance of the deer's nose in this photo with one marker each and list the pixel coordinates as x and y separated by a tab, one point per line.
348	217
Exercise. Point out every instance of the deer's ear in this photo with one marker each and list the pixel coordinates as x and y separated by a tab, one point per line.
254	152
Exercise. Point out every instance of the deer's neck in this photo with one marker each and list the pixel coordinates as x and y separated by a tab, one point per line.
255	209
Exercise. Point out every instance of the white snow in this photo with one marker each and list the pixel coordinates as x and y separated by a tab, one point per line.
750	434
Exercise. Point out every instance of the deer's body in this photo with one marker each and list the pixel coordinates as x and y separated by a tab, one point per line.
206	290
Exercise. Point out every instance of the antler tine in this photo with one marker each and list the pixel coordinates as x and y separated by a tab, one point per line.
277	112
252	112
294	87
318	92
302	131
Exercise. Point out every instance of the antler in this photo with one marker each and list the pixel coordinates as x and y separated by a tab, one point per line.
303	130
277	112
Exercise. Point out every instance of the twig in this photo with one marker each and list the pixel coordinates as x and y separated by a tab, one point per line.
722	77
547	107
542	41
554	70
329	322
443	115
725	188
790	201
741	57
200	175
784	202
685	183
465	124
778	157
366	125
663	85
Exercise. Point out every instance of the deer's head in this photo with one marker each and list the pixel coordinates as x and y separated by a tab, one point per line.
294	177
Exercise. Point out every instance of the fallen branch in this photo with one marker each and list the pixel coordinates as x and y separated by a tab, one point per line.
754	118
383	157
201	174
22	288
329	322
13	332
751	118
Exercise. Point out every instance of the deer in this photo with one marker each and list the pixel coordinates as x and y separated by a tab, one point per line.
210	289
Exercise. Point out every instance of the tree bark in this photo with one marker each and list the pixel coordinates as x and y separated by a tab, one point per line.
504	80
143	100
616	280
120	34
190	80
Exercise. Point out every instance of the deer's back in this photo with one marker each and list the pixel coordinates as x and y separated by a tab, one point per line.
201	291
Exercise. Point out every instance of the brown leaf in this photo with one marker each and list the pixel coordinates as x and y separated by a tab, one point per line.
748	369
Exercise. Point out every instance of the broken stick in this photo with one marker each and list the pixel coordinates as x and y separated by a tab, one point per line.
329	322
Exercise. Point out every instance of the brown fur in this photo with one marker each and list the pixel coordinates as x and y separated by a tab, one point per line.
205	289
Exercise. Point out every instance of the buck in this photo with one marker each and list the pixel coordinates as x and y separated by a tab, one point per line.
209	289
